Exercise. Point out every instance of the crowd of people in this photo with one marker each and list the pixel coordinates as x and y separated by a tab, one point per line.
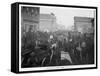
45	48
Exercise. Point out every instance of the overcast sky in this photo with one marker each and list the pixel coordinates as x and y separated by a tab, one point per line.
65	15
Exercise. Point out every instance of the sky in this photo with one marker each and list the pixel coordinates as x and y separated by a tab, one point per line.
65	15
